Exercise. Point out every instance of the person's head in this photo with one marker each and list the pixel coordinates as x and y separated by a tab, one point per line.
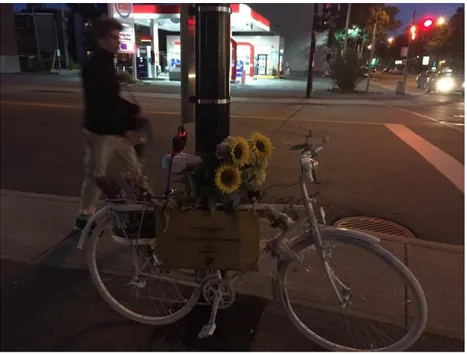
107	34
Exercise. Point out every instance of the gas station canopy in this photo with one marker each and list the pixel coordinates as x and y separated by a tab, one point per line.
243	18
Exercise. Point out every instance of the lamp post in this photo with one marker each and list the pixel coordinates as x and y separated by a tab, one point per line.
347	22
372	53
212	110
412	38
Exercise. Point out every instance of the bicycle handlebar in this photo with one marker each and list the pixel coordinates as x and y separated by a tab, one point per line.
307	161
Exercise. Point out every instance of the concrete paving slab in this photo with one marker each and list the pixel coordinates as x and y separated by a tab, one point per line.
30	226
441	275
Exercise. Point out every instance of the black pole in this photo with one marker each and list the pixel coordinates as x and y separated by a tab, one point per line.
309	83
212	76
406	69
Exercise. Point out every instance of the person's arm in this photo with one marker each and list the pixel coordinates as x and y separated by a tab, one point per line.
129	106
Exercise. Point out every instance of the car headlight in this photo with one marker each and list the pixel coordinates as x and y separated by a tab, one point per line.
445	84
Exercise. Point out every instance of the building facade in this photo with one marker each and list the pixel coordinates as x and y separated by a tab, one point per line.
254	50
9	60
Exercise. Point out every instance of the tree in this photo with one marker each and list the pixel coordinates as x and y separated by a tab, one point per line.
448	41
346	72
362	19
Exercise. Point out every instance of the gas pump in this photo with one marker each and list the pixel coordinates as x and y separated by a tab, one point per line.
144	62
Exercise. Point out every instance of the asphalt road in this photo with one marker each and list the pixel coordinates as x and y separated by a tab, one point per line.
366	169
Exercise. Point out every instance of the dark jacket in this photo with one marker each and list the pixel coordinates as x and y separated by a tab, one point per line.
106	113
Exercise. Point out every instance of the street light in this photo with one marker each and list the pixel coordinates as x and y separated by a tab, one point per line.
369	47
441	21
390	40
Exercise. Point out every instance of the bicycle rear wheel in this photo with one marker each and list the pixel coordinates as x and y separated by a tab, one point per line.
387	310
154	296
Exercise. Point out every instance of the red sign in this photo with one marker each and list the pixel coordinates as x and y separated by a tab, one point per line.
123	9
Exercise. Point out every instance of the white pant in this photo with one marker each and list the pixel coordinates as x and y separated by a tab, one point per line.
99	151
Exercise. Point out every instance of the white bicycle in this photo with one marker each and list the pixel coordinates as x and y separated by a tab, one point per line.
338	287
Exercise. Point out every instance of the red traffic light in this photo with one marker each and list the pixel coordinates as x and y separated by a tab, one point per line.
413	32
428	23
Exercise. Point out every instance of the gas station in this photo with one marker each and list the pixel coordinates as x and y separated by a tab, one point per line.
254	50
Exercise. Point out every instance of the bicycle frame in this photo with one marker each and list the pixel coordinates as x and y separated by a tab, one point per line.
314	232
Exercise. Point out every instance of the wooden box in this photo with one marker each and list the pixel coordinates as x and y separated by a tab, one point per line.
197	240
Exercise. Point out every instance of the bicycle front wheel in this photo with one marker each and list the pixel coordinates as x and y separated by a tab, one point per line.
386	308
133	283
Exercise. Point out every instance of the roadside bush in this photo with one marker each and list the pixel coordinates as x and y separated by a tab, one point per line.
346	72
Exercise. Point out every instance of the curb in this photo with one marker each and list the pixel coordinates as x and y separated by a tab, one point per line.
438	246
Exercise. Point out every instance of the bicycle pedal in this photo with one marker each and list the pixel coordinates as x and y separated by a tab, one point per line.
207	331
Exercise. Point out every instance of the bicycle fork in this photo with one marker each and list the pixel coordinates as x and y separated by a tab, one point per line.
324	253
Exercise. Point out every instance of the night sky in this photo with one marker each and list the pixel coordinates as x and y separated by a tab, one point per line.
298	14
297	18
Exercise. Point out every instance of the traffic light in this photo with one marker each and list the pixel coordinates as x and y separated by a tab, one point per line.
427	23
413	32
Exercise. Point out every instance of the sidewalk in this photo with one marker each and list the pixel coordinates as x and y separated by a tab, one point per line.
320	98
34	226
262	91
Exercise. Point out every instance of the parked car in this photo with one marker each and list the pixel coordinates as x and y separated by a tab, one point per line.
446	82
423	78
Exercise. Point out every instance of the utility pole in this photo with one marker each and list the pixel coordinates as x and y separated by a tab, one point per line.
212	115
406	69
57	45
34	20
309	83
372	54
65	39
347	23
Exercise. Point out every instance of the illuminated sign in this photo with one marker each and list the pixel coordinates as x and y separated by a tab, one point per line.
123	9
426	60
127	47
127	36
127	40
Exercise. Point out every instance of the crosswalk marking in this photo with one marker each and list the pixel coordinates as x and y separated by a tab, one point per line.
444	163
446	124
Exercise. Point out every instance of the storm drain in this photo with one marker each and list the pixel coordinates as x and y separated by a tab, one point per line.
374	226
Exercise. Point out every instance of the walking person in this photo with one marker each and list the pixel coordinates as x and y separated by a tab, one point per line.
109	120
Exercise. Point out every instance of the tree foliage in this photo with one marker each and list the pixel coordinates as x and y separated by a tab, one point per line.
448	40
346	72
362	19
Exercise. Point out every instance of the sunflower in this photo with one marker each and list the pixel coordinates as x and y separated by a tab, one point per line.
228	179
261	145
239	151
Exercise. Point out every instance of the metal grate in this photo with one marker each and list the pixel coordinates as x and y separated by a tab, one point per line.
374	226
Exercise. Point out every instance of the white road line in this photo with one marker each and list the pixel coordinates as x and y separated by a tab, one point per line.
431	118
444	163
